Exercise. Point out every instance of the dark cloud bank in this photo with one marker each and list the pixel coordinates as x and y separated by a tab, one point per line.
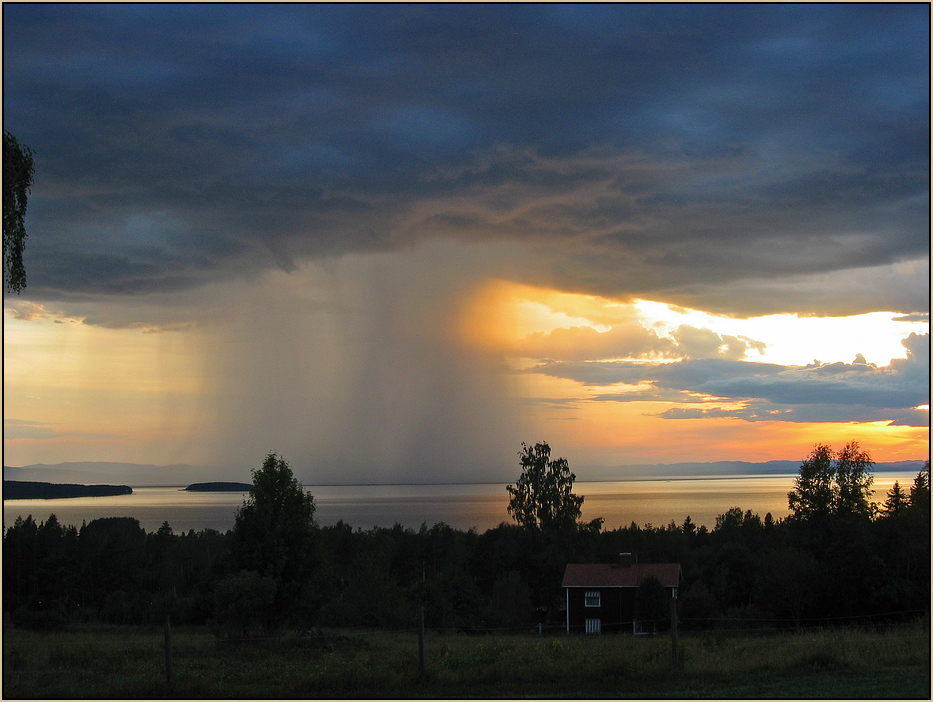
723	156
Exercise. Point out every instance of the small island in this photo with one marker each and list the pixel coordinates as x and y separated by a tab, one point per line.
29	490
219	487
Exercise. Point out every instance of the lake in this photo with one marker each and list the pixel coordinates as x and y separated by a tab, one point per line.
483	506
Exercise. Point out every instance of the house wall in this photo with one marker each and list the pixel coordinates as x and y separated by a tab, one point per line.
616	610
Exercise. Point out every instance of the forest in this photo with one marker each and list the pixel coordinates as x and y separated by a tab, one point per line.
837	558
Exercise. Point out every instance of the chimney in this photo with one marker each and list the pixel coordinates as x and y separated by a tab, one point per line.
625	560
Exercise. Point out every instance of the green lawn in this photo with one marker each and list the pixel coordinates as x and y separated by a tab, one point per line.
129	662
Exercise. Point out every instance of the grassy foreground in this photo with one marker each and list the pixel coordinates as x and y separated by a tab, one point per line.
129	662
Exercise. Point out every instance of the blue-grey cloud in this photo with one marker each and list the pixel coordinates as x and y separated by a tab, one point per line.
916	317
856	391
767	412
662	151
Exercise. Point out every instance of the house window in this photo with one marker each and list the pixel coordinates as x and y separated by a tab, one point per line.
591	599
593	626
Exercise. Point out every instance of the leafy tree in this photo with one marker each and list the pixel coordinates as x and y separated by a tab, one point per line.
787	582
853	481
244	606
918	516
812	496
697	605
20	558
510	603
274	534
543	497
18	171
832	484
730	522
113	555
652	606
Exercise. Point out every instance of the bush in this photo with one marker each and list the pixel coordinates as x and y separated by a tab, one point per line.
39	620
244	607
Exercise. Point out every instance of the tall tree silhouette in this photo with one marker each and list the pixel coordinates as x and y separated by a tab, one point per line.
543	494
812	496
833	484
275	535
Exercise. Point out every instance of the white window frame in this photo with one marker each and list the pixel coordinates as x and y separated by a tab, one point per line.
594	626
590	595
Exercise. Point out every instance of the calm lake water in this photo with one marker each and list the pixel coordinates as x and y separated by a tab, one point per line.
482	506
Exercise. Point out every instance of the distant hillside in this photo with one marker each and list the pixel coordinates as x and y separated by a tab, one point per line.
24	490
730	468
102	472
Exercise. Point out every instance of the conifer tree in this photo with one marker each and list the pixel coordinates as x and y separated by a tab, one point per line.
897	500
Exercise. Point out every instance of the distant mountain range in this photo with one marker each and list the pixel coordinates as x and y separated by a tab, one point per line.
733	468
143	475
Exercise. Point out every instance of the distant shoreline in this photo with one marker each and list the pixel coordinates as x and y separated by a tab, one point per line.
181	476
29	490
621	479
219	487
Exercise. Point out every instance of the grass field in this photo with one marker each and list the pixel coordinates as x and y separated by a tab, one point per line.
129	662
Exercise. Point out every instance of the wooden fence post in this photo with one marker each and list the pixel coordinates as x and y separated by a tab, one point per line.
421	595
674	638
421	667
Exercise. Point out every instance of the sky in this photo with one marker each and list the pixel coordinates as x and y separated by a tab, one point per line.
393	242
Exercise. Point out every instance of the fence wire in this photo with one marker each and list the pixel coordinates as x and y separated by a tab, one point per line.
812	624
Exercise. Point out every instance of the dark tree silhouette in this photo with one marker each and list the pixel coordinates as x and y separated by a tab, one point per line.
833	484
543	495
275	535
853	481
897	501
812	496
18	171
652	606
920	491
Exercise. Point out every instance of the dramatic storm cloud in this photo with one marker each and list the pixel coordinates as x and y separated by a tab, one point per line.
341	231
650	150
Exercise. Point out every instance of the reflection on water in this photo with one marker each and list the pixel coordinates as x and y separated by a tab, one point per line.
482	506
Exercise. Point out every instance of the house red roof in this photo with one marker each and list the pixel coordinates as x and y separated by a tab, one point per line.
609	575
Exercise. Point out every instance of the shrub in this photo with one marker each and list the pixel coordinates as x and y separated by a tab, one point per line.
244	607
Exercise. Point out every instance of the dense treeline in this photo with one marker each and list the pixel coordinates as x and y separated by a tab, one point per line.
745	570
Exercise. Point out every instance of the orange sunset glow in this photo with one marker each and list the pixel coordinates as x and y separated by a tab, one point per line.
502	317
397	260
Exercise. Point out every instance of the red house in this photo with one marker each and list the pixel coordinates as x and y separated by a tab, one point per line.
601	596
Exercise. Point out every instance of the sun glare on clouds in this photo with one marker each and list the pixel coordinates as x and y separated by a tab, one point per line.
502	315
578	358
792	340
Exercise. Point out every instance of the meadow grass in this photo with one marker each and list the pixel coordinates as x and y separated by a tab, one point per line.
129	662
